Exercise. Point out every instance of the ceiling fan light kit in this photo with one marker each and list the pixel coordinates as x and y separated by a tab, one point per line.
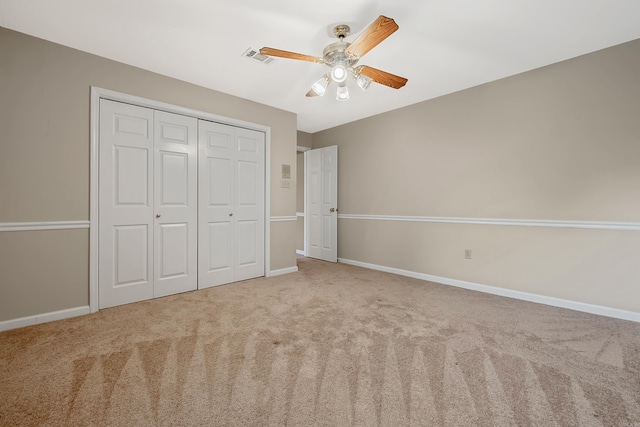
342	57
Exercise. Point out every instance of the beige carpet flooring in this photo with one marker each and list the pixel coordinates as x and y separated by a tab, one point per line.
331	345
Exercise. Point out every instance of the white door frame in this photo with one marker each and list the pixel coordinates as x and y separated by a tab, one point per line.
100	93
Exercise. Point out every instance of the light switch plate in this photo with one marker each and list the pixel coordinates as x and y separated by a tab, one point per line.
286	171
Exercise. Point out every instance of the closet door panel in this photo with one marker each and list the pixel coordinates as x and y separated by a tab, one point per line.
216	250
250	225
176	203
125	204
231	199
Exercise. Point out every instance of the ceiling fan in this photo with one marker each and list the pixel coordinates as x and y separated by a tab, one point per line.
342	58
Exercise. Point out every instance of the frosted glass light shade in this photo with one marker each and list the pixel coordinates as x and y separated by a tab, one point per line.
363	81
342	94
320	87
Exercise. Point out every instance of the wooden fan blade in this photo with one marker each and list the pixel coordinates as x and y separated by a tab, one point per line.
382	77
269	51
372	36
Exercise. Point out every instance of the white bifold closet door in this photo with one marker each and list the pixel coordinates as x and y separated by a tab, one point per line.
231	204
147	204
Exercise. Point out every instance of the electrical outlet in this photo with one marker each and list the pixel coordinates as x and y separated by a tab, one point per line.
467	253
285	183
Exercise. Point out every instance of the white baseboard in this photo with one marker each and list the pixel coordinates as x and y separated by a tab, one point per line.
525	296
299	252
282	271
43	318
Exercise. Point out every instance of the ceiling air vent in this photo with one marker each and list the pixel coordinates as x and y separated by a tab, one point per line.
254	54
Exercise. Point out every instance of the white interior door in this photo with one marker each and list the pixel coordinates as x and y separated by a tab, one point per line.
125	204
176	203
231	204
321	210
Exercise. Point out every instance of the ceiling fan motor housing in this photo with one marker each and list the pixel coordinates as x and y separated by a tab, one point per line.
335	54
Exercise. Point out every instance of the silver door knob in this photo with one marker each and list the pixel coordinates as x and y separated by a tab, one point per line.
332	210
231	214
157	215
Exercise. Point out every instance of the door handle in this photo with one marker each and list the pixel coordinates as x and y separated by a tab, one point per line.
231	214
157	215
332	210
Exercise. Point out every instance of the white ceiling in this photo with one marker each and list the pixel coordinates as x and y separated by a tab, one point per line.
442	46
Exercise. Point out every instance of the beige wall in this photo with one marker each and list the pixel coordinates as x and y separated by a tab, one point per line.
44	161
304	139
557	143
43	271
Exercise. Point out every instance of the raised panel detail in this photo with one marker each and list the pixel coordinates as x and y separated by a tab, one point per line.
247	145
175	133
219	140
133	125
327	192
327	159
174	250
131	175
219	182
174	172
314	235
326	232
247	240
247	179
314	186
131	257
219	246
